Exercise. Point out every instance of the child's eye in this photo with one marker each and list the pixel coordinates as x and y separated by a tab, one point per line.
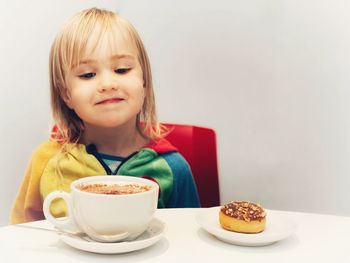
122	70
87	75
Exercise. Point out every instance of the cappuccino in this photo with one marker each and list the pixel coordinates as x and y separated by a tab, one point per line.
106	208
114	189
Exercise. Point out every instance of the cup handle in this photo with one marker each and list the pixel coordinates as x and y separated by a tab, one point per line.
67	224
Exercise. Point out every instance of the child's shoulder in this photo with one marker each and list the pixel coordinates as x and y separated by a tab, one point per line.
46	149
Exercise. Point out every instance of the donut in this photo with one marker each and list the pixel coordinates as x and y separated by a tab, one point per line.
242	217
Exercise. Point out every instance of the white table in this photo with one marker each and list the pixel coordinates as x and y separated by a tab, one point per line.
318	238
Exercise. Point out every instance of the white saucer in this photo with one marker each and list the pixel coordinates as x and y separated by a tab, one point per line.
153	233
277	228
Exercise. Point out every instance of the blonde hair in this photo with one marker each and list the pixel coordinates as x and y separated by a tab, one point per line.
67	51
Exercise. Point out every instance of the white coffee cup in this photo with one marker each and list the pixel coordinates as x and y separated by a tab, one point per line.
105	217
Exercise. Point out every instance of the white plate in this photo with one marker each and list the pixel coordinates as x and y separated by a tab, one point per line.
153	233
277	228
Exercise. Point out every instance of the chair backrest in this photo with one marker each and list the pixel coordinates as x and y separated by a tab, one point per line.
198	146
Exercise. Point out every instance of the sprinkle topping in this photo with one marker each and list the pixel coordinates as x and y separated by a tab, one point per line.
244	210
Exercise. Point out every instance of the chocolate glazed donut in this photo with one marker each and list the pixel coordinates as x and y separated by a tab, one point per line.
243	217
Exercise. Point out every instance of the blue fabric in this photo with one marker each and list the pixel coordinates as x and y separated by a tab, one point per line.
184	193
113	162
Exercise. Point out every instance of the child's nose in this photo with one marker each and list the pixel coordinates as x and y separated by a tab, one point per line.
107	82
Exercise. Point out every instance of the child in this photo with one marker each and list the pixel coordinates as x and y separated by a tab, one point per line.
104	109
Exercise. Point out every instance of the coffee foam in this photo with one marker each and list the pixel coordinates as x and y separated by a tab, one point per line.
114	188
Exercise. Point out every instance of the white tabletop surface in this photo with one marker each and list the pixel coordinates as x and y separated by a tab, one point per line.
318	238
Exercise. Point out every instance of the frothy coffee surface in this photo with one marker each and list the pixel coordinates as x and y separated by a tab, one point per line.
114	189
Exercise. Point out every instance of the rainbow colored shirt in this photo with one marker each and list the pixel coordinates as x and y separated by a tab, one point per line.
50	169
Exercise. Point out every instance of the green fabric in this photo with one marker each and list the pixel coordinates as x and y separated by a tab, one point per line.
148	163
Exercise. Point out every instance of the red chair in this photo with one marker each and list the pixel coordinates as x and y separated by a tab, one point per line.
198	146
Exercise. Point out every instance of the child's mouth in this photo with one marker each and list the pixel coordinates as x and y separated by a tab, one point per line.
108	101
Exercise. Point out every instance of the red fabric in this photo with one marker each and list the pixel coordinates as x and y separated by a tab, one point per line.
162	146
198	146
54	134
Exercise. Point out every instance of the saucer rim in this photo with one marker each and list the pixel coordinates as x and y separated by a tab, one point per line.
117	247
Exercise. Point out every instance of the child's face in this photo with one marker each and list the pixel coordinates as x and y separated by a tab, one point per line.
106	89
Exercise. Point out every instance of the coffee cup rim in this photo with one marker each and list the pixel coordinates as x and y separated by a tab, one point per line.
114	179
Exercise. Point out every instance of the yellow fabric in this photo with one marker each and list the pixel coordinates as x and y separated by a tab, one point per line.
49	170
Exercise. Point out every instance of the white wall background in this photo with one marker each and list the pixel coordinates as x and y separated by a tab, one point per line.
270	76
